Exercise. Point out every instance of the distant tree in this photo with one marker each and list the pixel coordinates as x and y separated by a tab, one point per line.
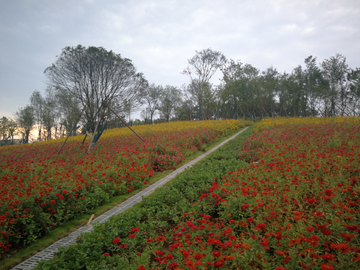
145	115
201	68
69	109
12	125
7	129
239	89
204	97
313	84
354	95
49	112
25	119
4	123
99	80
170	98
204	64
186	111
37	102
336	72
269	85
150	97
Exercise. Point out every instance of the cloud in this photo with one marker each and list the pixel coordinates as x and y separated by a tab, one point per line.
159	36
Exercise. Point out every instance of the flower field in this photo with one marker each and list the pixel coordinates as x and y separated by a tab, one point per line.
39	190
285	198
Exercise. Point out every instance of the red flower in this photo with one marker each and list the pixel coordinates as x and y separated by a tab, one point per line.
185	254
150	240
158	253
311	200
64	192
106	254
198	257
160	238
351	228
116	240
61	197
326	267
314	238
328	192
216	254
261	226
310	228
173	265
218	264
132	236
327	257
141	268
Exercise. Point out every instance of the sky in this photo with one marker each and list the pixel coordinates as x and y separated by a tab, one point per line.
159	36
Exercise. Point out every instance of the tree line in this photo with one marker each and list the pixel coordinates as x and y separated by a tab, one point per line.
91	89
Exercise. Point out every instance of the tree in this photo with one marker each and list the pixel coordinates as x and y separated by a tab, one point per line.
269	86
313	84
12	125
354	94
25	119
37	102
99	80
170	98
201	68
238	93
69	110
48	116
4	123
203	97
7	129
186	110
336	71
151	98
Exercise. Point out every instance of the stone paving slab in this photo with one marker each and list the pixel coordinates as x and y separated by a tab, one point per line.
49	252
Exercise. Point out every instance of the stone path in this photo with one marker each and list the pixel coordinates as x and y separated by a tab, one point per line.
49	252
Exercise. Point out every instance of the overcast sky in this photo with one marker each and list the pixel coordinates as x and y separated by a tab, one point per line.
159	36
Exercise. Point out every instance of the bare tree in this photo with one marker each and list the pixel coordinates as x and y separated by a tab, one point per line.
99	80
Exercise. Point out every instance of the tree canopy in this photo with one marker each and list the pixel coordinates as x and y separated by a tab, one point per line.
100	81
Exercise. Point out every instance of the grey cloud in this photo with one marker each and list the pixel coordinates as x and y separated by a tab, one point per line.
160	35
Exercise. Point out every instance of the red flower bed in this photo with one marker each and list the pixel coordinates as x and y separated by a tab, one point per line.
39	189
295	207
